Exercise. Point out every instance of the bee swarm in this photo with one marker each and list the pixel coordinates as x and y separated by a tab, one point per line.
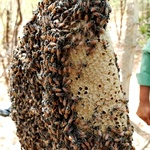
64	82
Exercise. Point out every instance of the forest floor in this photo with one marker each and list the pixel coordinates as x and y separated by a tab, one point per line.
9	140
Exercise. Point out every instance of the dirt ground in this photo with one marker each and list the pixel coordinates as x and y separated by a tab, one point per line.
9	140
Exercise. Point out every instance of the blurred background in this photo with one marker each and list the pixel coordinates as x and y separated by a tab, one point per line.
129	28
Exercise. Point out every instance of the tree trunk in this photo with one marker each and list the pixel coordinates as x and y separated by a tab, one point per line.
130	44
65	88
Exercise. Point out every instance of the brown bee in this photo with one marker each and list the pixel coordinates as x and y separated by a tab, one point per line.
89	50
52	44
56	81
75	98
63	59
62	24
54	11
72	139
66	129
65	89
67	82
67	46
46	1
53	49
69	35
94	9
43	37
65	102
67	112
87	144
65	71
82	134
53	57
83	146
106	136
103	22
60	94
52	6
100	133
60	110
86	18
55	139
107	143
128	133
73	106
71	119
58	53
57	90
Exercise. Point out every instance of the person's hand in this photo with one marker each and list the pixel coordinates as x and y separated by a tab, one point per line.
143	112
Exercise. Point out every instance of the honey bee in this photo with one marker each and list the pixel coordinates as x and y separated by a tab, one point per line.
60	94
43	37
60	110
73	106
71	119
65	71
62	24
67	112
87	144
72	139
66	129
107	143
46	1
65	89
56	81
57	90
86	18
83	146
67	82
103	22
65	102
53	58
52	6
52	44
106	136
58	53
94	9
75	147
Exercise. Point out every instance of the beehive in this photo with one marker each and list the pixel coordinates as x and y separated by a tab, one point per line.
64	80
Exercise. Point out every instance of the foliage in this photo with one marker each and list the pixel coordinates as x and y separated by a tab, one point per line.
144	20
145	29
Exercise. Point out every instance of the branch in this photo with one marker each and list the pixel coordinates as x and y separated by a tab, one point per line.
17	23
19	14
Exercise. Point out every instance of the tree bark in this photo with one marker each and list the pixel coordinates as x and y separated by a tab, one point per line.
130	44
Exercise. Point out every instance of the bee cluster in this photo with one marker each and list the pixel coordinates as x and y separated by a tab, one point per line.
44	107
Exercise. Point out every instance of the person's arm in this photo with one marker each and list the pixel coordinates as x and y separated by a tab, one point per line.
143	78
143	110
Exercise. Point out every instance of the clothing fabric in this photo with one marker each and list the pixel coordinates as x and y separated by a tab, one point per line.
143	77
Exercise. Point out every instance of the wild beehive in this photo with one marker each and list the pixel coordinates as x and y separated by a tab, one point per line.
64	81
